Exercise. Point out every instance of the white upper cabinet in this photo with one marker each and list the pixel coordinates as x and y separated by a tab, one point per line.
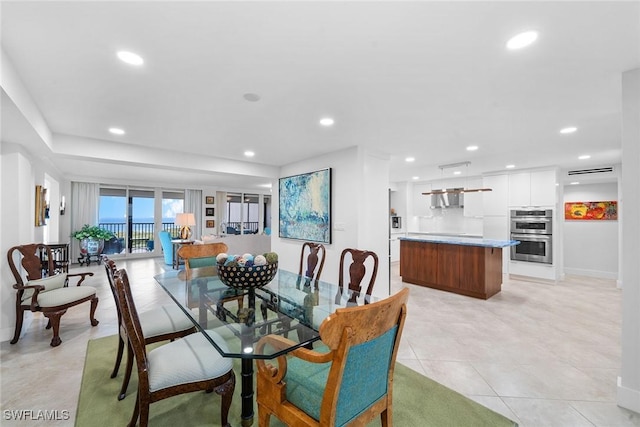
495	201
528	189
421	203
473	201
543	188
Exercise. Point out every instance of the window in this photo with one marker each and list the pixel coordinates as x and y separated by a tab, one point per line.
131	215
242	213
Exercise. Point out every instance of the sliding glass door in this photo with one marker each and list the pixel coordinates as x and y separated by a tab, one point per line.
131	214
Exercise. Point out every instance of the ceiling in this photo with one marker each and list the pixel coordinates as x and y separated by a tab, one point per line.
407	79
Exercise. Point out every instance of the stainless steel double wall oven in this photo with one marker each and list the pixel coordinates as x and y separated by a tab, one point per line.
534	229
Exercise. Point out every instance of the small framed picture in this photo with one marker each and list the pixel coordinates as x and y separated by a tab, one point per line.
209	212
209	200
211	223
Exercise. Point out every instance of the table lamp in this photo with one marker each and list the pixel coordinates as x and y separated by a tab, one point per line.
184	220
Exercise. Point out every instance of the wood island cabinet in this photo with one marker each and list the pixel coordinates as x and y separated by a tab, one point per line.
474	271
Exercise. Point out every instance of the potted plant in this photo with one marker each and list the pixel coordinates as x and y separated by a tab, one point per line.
91	239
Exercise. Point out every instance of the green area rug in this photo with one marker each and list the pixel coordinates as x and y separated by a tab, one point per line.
417	400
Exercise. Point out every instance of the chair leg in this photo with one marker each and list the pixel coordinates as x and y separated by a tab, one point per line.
19	319
94	305
54	318
264	416
127	373
136	411
386	418
144	412
118	356
226	391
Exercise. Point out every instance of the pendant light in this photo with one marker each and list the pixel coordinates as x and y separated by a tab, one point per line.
455	190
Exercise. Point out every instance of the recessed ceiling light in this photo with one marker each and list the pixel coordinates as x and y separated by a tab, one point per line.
570	129
116	131
410	159
510	166
251	97
249	153
522	40
457	172
472	148
416	177
327	121
574	183
584	157
130	58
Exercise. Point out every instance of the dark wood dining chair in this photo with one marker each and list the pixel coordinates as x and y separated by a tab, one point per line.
167	322
350	383
40	289
182	366
312	257
357	268
313	254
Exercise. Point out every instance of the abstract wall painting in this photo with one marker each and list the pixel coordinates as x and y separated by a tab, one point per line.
592	211
305	206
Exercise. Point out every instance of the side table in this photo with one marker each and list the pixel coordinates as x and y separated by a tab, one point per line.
177	243
60	255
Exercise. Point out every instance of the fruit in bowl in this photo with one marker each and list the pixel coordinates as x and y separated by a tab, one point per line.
247	271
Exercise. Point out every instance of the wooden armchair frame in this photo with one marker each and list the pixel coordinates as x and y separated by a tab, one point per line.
34	269
341	332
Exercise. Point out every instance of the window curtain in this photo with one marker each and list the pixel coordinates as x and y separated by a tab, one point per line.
84	209
221	212
193	203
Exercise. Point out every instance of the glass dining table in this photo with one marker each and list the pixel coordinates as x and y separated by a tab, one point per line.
286	306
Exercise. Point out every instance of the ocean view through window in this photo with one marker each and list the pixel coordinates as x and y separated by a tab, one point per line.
132	216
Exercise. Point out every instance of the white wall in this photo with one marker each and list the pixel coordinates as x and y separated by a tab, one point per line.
629	380
352	216
17	196
590	247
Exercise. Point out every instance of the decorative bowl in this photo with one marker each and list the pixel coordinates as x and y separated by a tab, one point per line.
247	277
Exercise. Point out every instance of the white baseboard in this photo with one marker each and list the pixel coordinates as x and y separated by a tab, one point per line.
628	398
7	333
591	273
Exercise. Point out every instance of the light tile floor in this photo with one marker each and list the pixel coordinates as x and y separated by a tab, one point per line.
541	354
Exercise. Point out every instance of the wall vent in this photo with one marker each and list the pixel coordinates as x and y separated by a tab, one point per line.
590	171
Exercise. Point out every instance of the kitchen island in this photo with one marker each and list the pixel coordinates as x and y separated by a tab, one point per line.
463	265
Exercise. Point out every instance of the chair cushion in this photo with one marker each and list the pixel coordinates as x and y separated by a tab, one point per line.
50	283
202	262
187	360
63	296
364	381
305	385
163	320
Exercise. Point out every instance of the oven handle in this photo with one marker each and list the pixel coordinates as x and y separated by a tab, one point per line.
530	219
532	237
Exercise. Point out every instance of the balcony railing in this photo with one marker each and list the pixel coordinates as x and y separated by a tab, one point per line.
141	235
233	227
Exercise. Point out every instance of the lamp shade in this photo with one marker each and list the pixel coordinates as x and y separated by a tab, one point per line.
185	219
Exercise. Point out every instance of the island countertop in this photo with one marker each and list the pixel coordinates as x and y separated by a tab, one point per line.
464	241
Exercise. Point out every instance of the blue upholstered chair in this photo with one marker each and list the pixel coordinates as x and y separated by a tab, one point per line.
167	246
348	383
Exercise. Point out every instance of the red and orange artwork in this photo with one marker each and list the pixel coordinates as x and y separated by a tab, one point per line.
591	210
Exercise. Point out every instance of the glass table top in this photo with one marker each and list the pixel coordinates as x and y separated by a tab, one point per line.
289	305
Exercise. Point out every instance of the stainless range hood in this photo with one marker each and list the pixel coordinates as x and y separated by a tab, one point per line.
449	198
